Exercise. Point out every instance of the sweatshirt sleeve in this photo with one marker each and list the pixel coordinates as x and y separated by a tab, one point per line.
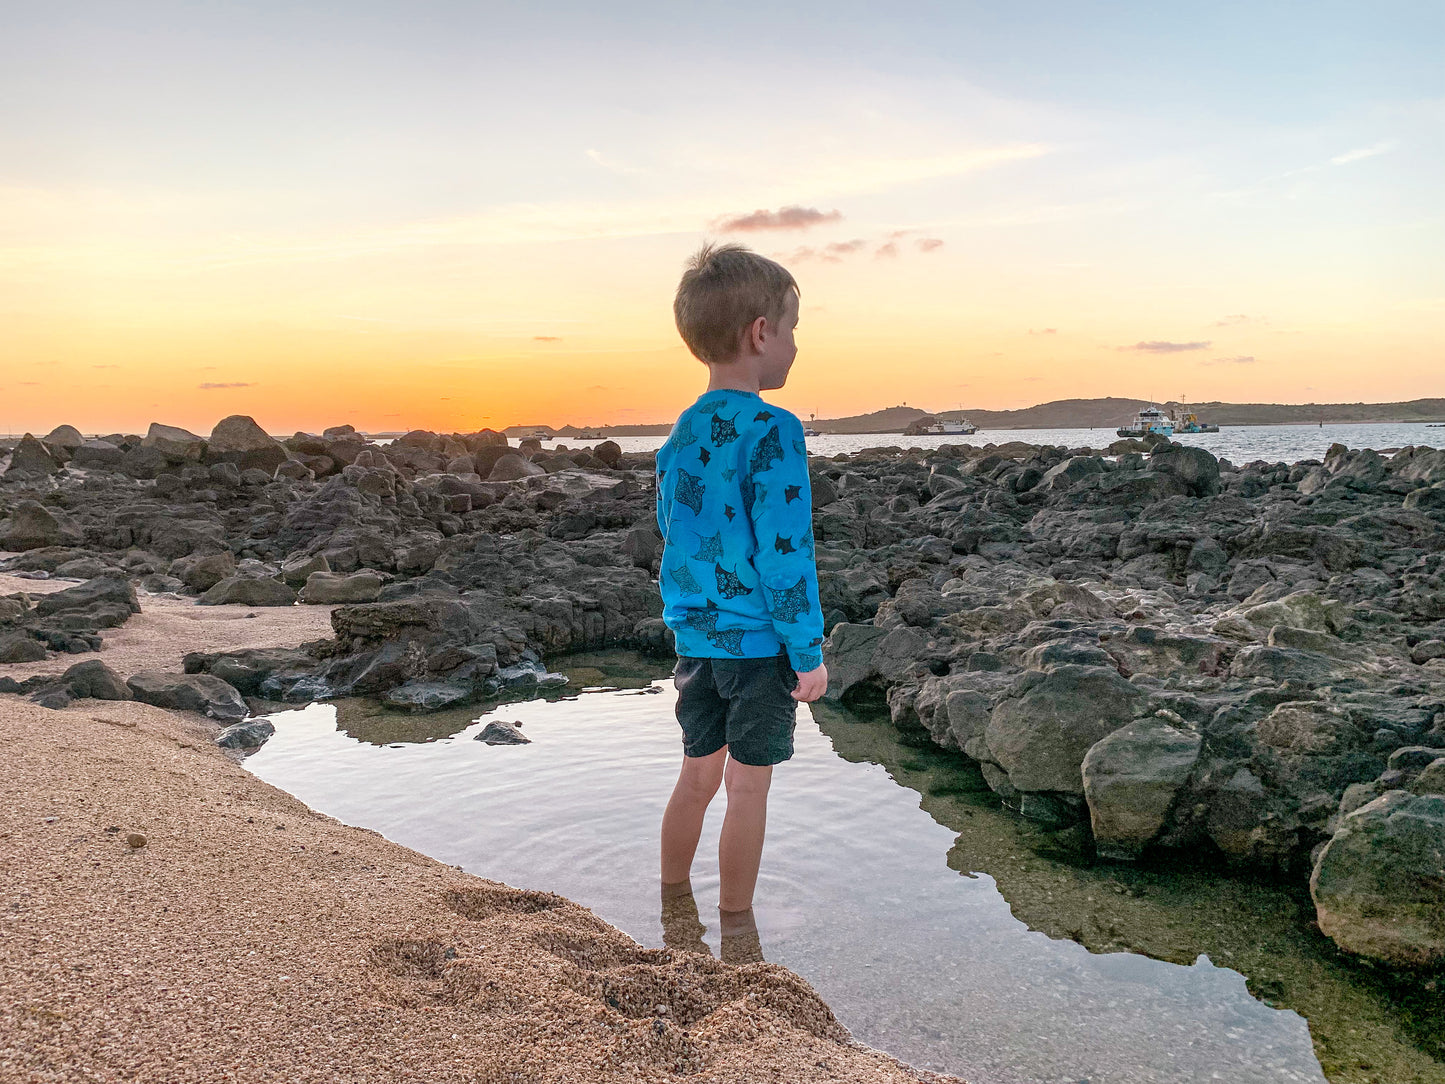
779	503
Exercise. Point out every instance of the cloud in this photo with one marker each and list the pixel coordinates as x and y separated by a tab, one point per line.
1383	147
596	387
105	366
784	218
547	338
928	244
886	251
613	167
1236	319
1044	331
1159	346
1238	359
214	387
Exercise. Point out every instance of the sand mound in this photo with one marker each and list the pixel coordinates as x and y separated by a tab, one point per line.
170	917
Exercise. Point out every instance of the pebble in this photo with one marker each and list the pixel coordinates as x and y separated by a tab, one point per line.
135	840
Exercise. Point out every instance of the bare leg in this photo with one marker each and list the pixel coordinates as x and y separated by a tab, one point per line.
682	822
740	850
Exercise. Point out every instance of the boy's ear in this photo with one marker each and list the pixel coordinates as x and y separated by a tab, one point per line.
756	333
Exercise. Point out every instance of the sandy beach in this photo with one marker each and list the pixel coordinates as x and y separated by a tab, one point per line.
170	917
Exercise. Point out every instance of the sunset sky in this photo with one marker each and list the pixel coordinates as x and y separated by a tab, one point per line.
454	215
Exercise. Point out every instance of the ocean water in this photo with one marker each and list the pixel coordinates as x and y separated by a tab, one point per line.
887	911
1239	444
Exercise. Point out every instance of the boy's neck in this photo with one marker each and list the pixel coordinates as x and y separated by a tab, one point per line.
734	376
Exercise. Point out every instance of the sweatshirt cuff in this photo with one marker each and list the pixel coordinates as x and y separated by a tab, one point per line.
804	661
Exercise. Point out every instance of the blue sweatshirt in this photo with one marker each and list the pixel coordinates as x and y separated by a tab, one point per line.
736	514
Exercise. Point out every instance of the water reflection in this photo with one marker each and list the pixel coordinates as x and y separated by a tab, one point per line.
861	894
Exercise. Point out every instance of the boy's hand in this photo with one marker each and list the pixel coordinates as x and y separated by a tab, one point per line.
811	685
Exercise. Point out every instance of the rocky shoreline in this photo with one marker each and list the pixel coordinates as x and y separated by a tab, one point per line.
1156	650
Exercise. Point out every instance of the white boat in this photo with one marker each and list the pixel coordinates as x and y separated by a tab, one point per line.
809	431
1149	420
963	427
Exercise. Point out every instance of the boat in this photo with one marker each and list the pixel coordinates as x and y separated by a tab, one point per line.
588	436
809	431
1149	420
962	427
535	434
1190	423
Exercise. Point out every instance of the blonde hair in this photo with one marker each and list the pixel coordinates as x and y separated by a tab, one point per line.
723	290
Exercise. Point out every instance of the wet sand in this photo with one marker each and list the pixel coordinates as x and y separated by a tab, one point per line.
248	938
169	626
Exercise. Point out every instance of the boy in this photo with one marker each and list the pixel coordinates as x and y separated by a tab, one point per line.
738	579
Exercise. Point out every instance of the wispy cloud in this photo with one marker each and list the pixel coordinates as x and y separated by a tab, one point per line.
608	164
1161	346
1382	147
886	251
784	218
216	387
833	252
1238	318
928	244
1044	331
547	338
1238	359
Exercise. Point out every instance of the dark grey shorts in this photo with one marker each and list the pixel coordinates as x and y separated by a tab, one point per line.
745	704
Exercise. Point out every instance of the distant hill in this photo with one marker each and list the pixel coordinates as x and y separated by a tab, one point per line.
1107	413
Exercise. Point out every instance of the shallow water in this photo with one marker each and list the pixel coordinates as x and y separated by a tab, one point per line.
895	913
1240	443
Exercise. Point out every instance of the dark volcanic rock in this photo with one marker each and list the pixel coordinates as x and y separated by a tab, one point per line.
249	591
189	692
239	440
33	526
31	457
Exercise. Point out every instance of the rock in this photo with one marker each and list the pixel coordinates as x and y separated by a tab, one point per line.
135	840
848	652
203	573
176	445
499	733
1040	738
1426	650
239	440
64	436
97	455
512	467
104	602
610	452
1431	779
1131	778
1379	884
1070	472
95	680
426	696
248	735
1300	610
1195	467
31	457
248	591
189	692
341	587
297	570
32	526
21	647
643	545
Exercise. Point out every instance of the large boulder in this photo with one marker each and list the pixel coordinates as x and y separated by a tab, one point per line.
95	680
30	456
248	591
239	440
103	603
203	573
1041	735
63	438
1379	884
189	692
848	651
32	526
176	444
20	647
97	455
1195	467
509	468
339	587
1131	778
